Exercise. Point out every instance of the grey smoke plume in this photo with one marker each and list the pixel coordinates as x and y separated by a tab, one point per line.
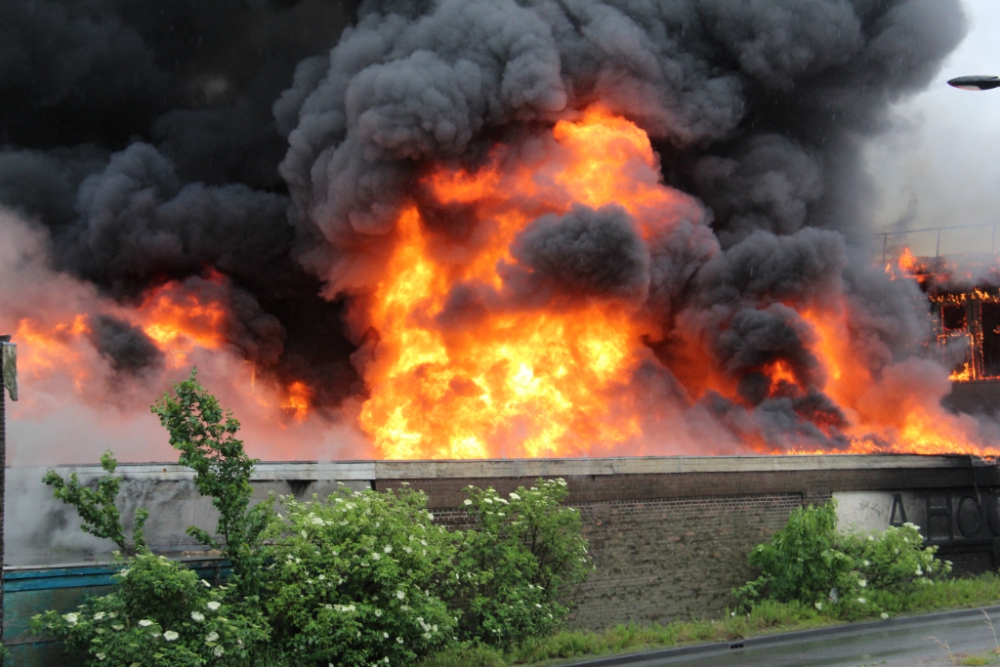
280	155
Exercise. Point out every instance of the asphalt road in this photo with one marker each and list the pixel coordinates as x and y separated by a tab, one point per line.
938	640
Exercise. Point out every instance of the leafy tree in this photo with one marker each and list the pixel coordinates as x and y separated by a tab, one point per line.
96	506
359	578
205	436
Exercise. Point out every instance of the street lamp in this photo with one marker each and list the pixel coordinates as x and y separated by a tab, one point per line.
976	82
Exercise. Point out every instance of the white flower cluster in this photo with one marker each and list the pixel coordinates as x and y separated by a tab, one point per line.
428	628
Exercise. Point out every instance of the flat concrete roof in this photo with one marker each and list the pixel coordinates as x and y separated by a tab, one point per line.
485	468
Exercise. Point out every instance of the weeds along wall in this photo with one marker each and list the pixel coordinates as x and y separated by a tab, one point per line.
669	536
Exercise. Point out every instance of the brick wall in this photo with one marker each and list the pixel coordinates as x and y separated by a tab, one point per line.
668	559
666	550
657	559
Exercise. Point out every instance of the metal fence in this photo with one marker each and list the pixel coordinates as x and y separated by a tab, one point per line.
974	243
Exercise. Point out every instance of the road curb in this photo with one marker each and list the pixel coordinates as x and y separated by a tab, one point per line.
624	659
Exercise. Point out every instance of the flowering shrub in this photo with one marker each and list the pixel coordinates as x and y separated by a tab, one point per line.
356	579
895	560
845	575
159	615
517	560
359	578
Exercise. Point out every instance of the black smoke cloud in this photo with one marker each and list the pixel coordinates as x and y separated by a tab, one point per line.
127	348
586	252
266	141
144	139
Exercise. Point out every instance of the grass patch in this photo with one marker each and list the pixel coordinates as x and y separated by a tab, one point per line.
953	594
466	655
767	617
989	658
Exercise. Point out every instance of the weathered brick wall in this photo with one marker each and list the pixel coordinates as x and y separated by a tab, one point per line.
665	549
668	559
660	559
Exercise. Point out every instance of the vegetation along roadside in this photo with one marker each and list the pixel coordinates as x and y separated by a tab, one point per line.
368	578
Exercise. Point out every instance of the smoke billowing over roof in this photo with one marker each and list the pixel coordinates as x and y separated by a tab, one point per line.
248	168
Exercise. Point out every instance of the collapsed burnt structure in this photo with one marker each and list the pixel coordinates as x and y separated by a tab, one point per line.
964	299
974	319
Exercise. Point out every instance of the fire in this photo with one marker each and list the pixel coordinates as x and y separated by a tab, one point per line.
54	349
545	380
297	400
518	380
178	320
780	374
907	263
540	375
459	364
963	375
894	416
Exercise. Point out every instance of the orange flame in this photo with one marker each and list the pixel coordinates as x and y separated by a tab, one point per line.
178	321
963	375
898	412
779	374
907	263
536	382
54	349
545	381
297	400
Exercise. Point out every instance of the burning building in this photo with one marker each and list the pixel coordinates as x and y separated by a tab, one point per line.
964	296
463	229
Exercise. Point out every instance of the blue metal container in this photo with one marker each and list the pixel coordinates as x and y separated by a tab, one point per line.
32	590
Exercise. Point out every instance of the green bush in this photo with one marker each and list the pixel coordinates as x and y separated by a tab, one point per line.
894	560
356	578
517	561
845	575
159	615
153	615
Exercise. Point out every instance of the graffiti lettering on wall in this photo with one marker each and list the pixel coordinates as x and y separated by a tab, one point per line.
970	515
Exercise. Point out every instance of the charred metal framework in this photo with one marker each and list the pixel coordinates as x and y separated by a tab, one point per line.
974	319
965	309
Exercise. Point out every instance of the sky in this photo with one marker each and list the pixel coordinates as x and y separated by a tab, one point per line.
940	165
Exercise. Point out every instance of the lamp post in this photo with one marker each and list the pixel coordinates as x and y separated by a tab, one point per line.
976	82
8	380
